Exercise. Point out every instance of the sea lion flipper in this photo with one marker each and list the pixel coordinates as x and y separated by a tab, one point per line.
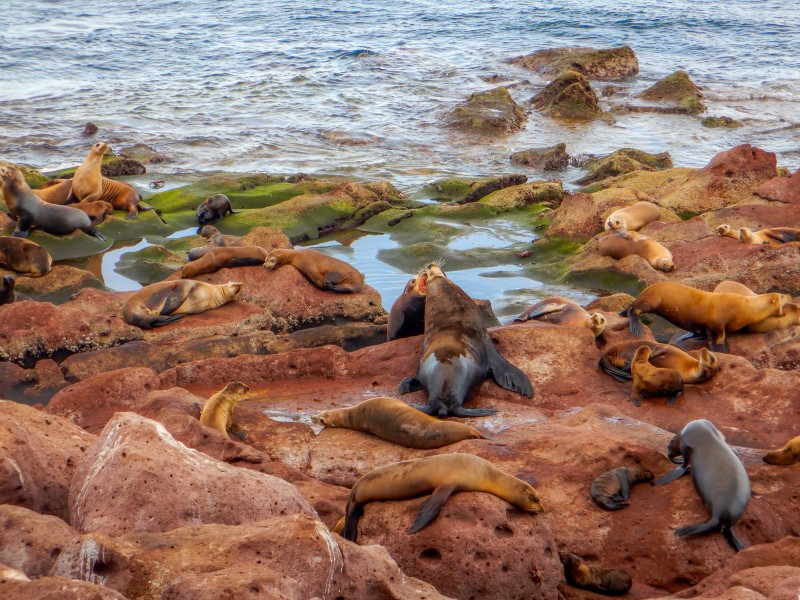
614	371
353	513
547	309
672	475
460	411
697	529
334	278
237	431
426	408
431	507
72	198
624	487
505	374
408	385
734	541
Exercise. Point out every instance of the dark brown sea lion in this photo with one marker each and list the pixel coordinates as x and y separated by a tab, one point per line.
214	239
650	381
633	218
24	256
563	311
325	272
611	582
616	361
791	310
443	475
7	293
622	244
457	353
168	301
55	191
218	409
774	236
213	208
611	489
718	476
407	316
705	313
788	455
393	420
33	213
225	257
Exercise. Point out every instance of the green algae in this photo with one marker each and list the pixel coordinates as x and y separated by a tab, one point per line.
72	246
492	110
466	190
622	161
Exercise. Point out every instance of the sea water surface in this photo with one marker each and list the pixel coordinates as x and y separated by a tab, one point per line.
359	89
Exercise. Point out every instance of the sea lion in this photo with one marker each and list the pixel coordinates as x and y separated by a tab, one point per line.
55	191
611	582
727	231
35	213
325	272
702	312
89	185
791	310
611	489
213	208
457	352
393	420
633	218
443	475
214	239
218	409
563	311
774	236
97	211
407	316
718	476
788	455
621	244
616	361
225	257
24	256
650	381
7	293
168	301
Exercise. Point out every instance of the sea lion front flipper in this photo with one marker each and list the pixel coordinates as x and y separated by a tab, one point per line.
352	514
505	374
547	309
432	506
614	371
460	411
158	321
672	475
408	385
734	541
624	488
426	408
697	529
334	278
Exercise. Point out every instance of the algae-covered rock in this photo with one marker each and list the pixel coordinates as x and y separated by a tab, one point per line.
551	158
463	190
593	63
151	264
74	245
568	96
622	161
490	111
111	166
144	154
721	123
543	193
57	285
677	92
33	178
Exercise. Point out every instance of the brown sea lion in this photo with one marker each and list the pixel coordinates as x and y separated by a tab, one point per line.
563	311
727	231
55	191
325	272
24	256
218	409
611	489
621	244
443	475
225	257
774	236
213	208
791	310
788	455
393	420
33	213
633	218
168	301
616	361
705	313
718	476
457	352
611	582
214	239
97	211
407	316
9	296
89	185
650	381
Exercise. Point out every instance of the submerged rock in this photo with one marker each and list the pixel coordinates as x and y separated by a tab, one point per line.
677	93
553	158
487	112
142	153
592	63
721	123
568	96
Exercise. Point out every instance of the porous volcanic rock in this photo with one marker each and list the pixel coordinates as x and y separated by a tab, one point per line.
56	588
462	190
569	96
31	542
781	189
144	154
755	216
30	386
488	112
58	284
577	218
594	63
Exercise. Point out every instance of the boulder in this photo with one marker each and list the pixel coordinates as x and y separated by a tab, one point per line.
30	386
552	158
623	161
31	542
568	96
721	123
492	111
57	285
577	218
142	153
781	189
55	588
593	63
676	92
463	191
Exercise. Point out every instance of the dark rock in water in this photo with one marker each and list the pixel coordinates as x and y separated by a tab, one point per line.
490	111
121	166
144	154
622	161
90	129
546	159
568	96
593	63
676	92
721	123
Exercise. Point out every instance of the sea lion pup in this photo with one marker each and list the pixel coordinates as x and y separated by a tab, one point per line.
393	420
407	316
616	361
704	313
621	244
33	213
650	381
214	239
443	475
633	218
225	257
168	301
563	311
218	409
788	455
773	237
7	293
55	191
457	353
791	310
611	582
727	231
325	272
89	185
213	208
611	489
97	211
24	256
718	476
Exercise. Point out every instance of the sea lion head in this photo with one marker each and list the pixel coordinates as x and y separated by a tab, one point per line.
323	418
274	260
724	230
708	363
236	387
615	223
665	264
745	235
8	283
528	498
232	289
675	447
597	323
642	355
100	148
208	231
11	175
434	271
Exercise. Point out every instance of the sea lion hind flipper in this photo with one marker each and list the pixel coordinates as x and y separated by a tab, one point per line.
541	311
672	475
460	411
408	385
158	321
432	506
614	371
697	529
505	374
97	234
734	541
426	408
353	513
780	236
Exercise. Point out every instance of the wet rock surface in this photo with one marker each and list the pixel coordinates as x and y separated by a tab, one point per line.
593	63
568	96
493	111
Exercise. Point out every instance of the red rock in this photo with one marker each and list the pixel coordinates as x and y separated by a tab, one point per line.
31	542
755	216
782	189
137	477
38	457
55	588
578	217
31	385
744	161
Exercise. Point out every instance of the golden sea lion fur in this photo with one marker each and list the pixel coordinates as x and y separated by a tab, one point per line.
616	361
775	236
633	218
620	244
650	381
325	272
218	409
788	455
24	256
55	191
225	257
791	310
563	311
